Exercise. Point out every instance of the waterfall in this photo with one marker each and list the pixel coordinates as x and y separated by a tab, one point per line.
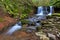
43	12
14	28
51	10
40	11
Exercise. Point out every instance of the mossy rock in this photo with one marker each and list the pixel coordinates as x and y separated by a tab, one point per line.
24	21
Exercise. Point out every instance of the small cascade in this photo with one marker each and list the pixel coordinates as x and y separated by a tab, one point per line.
40	11
51	10
41	14
14	28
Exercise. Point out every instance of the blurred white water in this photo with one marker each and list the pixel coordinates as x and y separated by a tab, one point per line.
14	28
42	11
51	10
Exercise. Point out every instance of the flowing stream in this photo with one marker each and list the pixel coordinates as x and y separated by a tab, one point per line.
14	28
42	12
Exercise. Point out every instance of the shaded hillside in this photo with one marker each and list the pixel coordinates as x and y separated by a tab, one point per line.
5	20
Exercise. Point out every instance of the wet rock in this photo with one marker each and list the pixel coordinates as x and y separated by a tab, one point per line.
42	36
51	36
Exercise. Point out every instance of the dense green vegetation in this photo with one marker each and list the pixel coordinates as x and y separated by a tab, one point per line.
21	8
41	2
55	3
16	7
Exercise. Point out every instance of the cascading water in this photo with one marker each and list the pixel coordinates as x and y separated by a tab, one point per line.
51	10
40	11
14	28
41	14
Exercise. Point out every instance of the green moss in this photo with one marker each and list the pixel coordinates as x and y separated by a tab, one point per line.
56	14
1	19
24	21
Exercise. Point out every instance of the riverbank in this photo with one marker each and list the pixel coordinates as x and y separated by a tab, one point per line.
5	20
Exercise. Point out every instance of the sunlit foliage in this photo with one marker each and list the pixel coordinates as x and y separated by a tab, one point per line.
41	2
23	7
15	7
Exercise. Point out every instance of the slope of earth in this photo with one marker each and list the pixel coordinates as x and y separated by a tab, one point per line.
20	35
5	20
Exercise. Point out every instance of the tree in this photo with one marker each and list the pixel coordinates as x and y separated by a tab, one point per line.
55	3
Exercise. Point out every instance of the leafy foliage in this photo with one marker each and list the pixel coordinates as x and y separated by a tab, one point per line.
41	2
15	7
23	7
55	3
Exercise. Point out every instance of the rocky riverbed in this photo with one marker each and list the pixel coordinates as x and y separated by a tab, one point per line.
50	29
